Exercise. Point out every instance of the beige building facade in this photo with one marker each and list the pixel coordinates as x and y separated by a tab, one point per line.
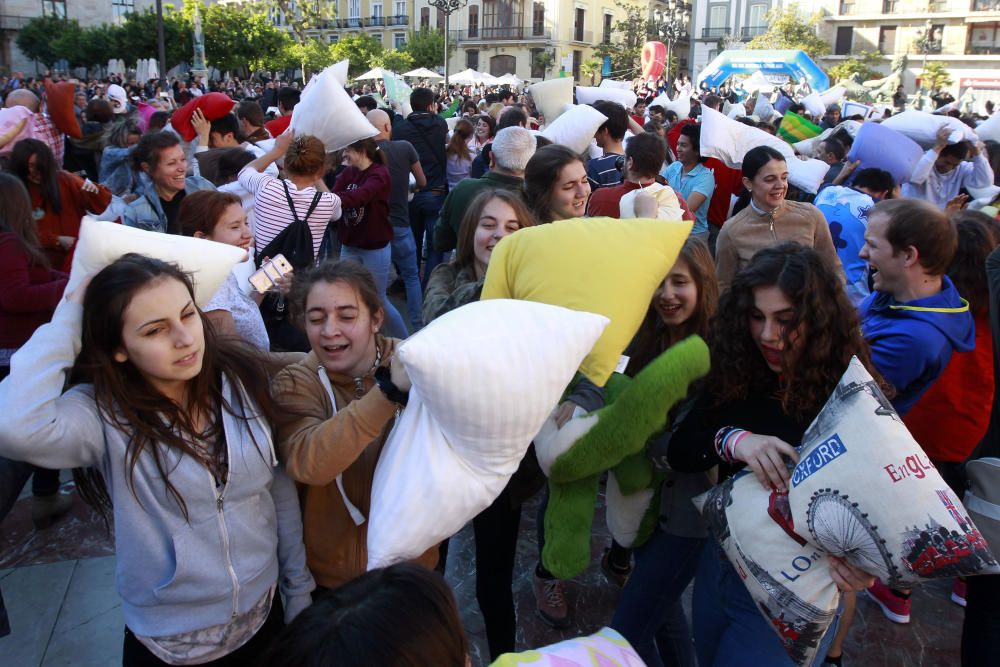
15	13
389	21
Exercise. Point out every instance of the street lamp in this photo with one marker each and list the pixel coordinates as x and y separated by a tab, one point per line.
672	25
447	7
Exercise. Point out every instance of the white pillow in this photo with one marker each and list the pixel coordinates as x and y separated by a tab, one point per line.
589	95
862	490
736	111
668	207
574	128
989	129
922	127
763	108
101	243
552	96
620	85
339	71
458	441
833	95
856	108
397	92
327	112
814	105
681	105
730	140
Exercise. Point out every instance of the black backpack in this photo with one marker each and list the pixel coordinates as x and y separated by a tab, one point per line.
296	244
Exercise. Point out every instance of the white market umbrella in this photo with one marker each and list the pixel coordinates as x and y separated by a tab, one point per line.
376	73
467	76
510	79
154	69
488	79
424	73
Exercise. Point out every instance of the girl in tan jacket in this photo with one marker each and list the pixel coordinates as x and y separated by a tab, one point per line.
338	405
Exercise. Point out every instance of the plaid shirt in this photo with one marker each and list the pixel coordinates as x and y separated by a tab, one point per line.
47	132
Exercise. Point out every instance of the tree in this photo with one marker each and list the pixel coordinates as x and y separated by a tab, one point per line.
301	16
787	29
393	60
427	48
591	68
935	76
359	50
36	41
236	39
138	37
544	60
863	65
96	43
630	34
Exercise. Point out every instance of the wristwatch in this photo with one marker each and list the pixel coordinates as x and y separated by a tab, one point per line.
383	380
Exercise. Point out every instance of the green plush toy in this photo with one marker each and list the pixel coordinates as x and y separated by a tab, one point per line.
612	438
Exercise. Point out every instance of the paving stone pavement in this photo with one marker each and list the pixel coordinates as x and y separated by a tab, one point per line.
60	592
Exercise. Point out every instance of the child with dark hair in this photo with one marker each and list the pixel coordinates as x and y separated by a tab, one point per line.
946	168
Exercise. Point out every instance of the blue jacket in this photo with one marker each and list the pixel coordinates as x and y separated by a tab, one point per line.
146	212
912	342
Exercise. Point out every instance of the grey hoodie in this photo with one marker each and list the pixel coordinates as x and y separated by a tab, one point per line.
174	575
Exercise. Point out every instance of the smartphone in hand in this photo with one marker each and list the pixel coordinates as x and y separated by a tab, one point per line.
265	278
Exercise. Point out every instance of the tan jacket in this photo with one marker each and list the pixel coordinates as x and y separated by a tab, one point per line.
747	232
316	445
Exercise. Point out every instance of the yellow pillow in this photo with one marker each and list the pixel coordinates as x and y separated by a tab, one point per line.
598	265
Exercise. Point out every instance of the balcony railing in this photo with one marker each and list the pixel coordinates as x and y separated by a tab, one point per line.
714	33
983	50
10	22
398	20
502	33
375	22
986	5
584	36
937	6
752	31
353	22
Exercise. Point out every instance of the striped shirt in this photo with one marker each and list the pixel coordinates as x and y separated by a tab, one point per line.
271	207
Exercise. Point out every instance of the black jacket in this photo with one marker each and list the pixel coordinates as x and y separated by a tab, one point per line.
429	135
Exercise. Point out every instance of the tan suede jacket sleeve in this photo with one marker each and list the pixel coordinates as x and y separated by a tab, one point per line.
314	446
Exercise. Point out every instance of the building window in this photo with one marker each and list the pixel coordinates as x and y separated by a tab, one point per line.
503	19
398	40
473	21
401	8
845	40
425	18
718	16
538	19
537	71
577	61
846	6
472	59
578	23
377	10
889	6
606	37
756	15
119	8
55	8
984	39
887	39
333	39
353	8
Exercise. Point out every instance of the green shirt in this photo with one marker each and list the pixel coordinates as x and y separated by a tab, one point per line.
457	203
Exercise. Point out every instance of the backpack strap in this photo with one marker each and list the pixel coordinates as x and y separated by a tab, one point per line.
291	204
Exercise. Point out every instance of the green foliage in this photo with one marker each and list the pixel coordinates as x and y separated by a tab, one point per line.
787	29
629	34
545	60
591	68
935	76
300	16
427	48
359	49
237	37
394	61
137	37
36	41
863	65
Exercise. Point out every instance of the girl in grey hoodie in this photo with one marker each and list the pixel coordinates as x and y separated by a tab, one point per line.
176	423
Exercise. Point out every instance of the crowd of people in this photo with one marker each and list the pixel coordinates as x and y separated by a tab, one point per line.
234	446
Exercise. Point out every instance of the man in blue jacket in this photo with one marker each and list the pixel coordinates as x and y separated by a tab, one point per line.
915	318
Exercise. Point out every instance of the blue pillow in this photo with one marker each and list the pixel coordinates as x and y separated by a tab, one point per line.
879	147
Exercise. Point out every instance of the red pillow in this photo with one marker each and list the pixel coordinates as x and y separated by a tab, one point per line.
59	97
213	105
278	125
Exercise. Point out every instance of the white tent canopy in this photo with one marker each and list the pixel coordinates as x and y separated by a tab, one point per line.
472	77
510	79
376	73
424	73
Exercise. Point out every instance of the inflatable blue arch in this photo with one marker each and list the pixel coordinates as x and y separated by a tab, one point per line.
793	64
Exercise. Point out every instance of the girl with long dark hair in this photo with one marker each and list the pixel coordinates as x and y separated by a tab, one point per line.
176	424
783	337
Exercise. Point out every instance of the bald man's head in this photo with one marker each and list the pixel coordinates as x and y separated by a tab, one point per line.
22	98
380	120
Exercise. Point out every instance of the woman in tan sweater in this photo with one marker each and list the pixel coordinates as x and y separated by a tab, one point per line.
770	219
338	406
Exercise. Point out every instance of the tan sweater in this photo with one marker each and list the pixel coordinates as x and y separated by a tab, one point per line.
747	232
316	445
